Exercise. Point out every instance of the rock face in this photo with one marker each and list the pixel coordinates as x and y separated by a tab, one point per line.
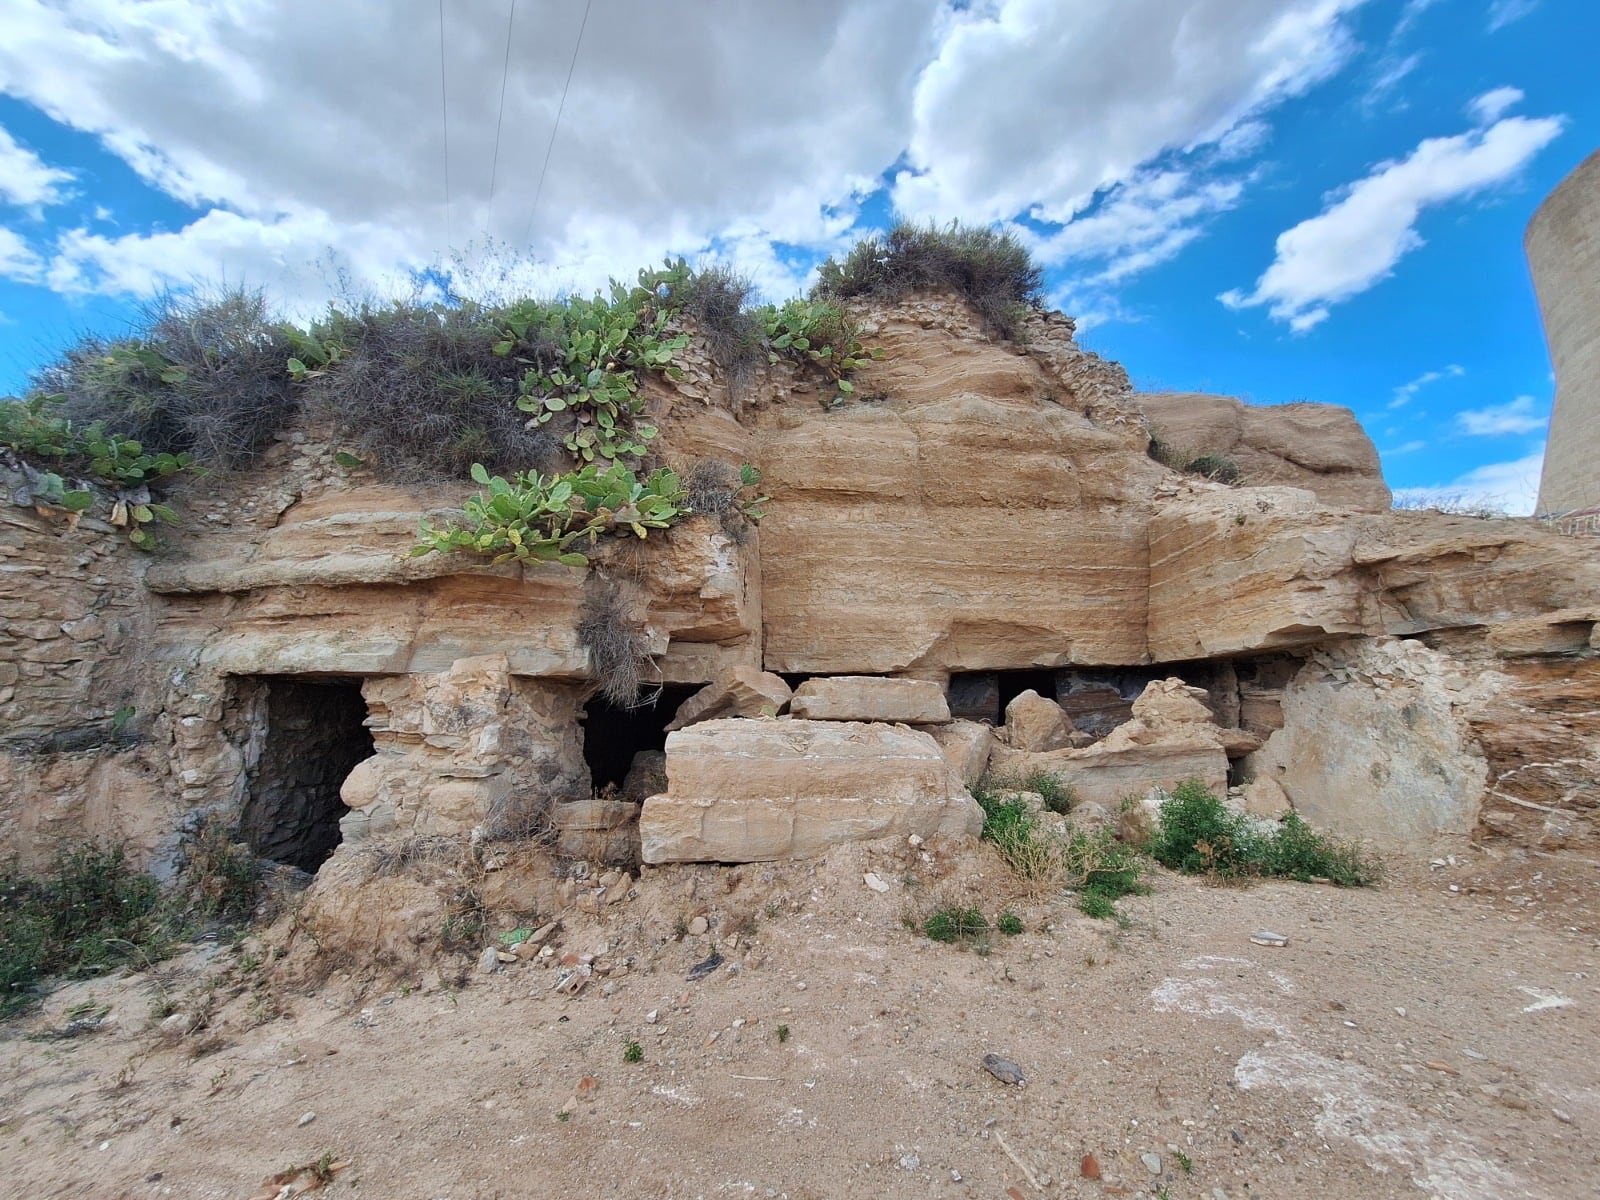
981	517
755	791
896	541
1318	447
867	698
1376	744
1241	571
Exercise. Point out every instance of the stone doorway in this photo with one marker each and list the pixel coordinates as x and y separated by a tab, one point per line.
315	736
612	736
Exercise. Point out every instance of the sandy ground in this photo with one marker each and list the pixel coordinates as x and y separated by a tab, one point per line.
1409	1040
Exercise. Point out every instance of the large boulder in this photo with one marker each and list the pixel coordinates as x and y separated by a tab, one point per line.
966	746
1376	743
757	791
871	698
1036	724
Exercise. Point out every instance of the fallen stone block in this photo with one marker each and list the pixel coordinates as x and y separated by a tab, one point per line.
740	691
758	791
871	698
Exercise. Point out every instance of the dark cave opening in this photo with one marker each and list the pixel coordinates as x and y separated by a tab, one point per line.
612	736
316	734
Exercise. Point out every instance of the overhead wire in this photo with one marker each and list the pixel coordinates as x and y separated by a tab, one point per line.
556	128
444	109
505	70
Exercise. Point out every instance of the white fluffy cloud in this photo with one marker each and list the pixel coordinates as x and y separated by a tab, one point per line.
24	179
1508	487
1498	420
1366	228
304	132
17	260
1034	105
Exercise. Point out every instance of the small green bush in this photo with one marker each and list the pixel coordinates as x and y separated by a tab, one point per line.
633	1052
1009	924
954	924
1197	832
991	270
419	392
1058	795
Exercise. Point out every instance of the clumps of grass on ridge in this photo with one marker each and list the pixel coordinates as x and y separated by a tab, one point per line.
990	269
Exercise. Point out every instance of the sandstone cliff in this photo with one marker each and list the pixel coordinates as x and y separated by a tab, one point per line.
983	516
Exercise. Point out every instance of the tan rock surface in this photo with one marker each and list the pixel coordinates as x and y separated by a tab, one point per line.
1319	447
739	691
1235	571
1376	745
908	532
966	746
756	791
1036	724
871	698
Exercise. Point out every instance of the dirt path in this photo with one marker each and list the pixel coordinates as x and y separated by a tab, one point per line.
1408	1041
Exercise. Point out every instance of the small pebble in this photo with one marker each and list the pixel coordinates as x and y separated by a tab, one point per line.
1152	1163
306	1118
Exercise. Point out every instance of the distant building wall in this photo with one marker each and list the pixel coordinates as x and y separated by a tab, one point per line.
1563	247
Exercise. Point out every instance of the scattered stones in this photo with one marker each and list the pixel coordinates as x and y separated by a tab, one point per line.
489	960
699	927
651	1017
876	884
1004	1070
1152	1162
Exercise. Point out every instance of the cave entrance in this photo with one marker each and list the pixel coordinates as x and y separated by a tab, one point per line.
316	734
613	735
983	695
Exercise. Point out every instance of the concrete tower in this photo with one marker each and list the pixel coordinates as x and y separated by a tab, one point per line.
1563	247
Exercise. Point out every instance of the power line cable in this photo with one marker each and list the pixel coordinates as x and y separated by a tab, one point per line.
556	128
505	70
444	109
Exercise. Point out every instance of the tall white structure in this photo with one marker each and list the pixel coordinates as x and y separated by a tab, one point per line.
1563	248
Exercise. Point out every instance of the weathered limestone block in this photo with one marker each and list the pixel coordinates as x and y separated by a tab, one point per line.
1319	447
894	543
966	746
871	698
1035	724
1171	702
757	791
739	691
1240	571
1375	743
472	746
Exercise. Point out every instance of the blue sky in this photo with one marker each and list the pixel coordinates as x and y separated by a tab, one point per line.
1275	199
